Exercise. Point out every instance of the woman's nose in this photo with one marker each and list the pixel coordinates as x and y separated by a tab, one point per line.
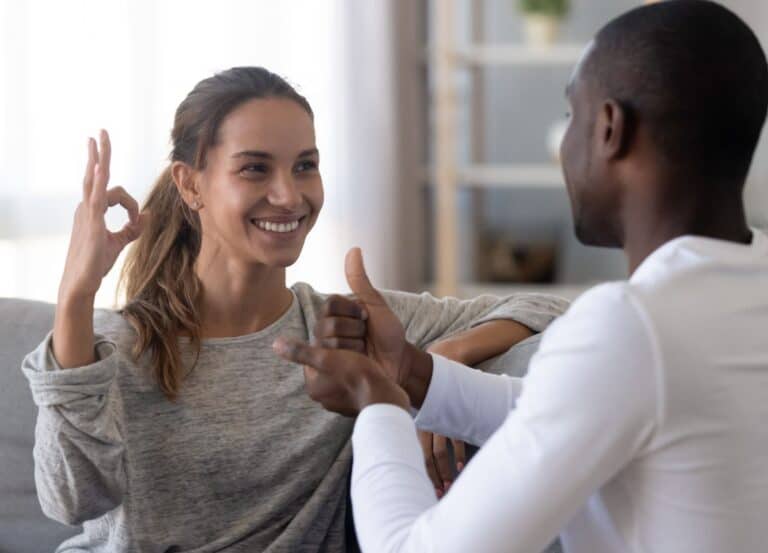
283	191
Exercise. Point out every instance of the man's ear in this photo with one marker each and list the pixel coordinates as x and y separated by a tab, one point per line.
612	130
186	183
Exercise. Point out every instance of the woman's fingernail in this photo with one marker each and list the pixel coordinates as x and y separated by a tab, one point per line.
459	466
439	492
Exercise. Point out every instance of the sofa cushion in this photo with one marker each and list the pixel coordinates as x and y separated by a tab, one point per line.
23	526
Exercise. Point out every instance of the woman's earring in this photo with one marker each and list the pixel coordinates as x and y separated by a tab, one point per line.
195	205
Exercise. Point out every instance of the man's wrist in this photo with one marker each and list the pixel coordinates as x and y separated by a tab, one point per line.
380	390
419	375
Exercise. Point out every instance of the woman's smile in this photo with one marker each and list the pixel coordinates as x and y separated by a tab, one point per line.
280	228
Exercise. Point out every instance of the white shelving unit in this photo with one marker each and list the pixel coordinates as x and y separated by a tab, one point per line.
518	54
446	58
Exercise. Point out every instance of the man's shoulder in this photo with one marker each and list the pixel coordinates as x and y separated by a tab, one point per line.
610	314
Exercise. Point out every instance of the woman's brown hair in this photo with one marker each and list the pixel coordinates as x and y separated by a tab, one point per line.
158	278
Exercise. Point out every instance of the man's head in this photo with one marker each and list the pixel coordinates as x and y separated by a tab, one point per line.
677	91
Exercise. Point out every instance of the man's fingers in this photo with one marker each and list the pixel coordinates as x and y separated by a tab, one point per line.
301	352
340	306
459	454
340	327
358	279
318	386
343	343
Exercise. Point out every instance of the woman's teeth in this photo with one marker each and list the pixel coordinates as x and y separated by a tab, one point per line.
278	227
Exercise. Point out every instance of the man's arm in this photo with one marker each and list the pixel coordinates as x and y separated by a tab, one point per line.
587	408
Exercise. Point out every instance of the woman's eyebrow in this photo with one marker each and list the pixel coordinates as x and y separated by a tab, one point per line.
267	155
253	153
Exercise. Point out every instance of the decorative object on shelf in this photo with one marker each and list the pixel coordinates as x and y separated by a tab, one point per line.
542	20
506	259
555	136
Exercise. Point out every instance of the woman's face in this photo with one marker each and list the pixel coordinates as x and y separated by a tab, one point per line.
261	190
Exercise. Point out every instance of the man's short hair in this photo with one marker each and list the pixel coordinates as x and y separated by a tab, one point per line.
695	74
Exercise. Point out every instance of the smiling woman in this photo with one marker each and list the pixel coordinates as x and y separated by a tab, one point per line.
176	404
244	166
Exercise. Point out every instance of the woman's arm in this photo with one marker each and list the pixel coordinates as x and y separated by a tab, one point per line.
78	451
482	342
428	320
470	347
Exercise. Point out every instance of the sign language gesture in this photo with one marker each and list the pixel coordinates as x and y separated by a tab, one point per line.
93	248
360	355
342	380
385	336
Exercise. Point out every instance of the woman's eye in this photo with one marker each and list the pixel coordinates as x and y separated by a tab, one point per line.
254	168
307	165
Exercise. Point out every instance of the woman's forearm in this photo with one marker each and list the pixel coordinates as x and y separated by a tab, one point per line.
483	342
73	332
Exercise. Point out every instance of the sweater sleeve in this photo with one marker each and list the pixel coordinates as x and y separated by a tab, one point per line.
427	319
588	406
78	453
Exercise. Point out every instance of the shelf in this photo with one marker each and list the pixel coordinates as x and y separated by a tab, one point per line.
515	176
512	176
520	54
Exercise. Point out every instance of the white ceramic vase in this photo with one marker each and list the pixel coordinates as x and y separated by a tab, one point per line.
541	30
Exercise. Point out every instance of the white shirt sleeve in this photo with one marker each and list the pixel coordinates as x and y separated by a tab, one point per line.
587	407
465	403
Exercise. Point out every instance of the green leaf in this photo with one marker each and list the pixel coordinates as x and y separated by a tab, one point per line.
557	8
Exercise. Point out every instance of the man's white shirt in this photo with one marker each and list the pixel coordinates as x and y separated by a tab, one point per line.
640	426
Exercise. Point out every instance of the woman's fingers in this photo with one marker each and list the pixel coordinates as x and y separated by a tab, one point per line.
425	438
442	460
459	454
101	174
126	235
118	195
89	166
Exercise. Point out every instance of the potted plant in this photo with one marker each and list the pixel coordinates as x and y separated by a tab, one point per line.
542	19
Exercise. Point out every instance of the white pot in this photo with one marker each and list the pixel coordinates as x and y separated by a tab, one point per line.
541	30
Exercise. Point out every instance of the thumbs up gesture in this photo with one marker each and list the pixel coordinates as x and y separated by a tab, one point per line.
360	355
364	324
385	336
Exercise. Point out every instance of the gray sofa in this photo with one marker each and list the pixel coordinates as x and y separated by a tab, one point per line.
23	527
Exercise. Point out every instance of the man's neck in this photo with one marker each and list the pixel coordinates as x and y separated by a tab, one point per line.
717	218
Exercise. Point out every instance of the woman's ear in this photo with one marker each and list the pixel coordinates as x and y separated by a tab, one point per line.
613	129
184	178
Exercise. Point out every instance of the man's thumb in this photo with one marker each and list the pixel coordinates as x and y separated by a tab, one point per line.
358	279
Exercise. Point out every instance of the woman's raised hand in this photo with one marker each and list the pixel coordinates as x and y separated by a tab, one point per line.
93	248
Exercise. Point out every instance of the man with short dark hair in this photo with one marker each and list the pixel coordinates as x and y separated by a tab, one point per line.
641	424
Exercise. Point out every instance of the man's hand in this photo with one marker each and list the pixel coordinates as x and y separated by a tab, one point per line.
385	336
343	381
367	325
